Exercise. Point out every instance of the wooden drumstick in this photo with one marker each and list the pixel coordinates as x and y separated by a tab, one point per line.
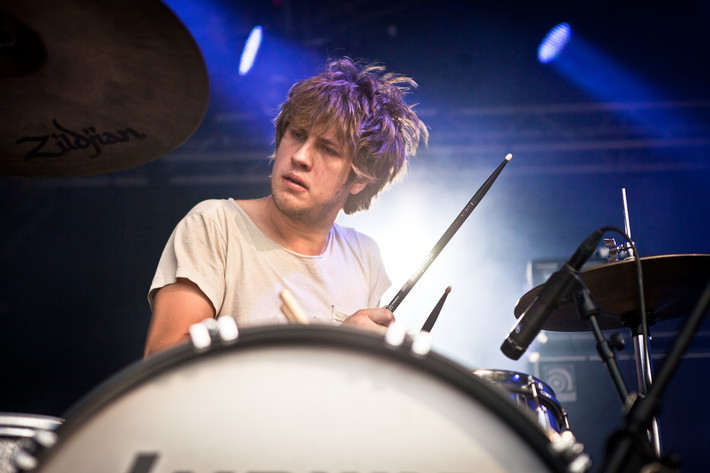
453	228
431	320
291	309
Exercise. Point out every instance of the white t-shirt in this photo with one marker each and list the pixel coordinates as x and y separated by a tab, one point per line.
242	271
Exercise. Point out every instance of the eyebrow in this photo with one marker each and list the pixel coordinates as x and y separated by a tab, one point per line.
321	139
330	142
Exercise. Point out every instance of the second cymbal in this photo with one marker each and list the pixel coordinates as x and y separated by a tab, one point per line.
672	285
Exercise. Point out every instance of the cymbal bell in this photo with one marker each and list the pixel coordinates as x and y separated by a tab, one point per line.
92	87
672	286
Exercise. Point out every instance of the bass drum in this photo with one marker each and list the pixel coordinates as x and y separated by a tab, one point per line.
298	399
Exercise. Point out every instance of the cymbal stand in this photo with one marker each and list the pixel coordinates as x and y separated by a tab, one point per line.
622	251
588	310
644	370
638	325
626	446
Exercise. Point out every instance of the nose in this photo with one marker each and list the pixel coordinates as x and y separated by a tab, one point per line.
302	155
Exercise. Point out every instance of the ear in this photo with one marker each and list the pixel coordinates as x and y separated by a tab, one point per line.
357	186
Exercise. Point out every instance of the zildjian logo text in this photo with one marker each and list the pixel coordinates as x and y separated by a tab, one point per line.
56	145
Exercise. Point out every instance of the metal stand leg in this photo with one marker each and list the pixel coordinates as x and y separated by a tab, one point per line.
644	371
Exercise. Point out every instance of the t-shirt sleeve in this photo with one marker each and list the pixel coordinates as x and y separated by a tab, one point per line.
196	251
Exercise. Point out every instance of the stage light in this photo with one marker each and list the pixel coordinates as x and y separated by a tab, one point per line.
251	48
553	43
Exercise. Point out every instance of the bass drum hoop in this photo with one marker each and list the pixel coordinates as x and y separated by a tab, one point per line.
340	339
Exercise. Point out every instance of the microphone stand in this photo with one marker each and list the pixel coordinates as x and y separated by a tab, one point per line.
629	448
588	310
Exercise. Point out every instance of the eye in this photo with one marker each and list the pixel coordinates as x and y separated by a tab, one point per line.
296	133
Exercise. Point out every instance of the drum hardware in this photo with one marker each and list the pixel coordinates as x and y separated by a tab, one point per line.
616	341
644	369
668	283
95	87
448	234
204	334
23	434
537	400
25	459
624	250
618	252
566	445
588	310
533	396
397	336
227	329
639	326
626	447
421	345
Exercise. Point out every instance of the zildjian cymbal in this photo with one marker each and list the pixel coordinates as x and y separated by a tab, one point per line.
672	286
91	87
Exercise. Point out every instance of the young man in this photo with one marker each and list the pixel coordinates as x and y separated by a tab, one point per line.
341	137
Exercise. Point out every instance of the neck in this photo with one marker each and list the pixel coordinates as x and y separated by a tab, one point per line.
305	238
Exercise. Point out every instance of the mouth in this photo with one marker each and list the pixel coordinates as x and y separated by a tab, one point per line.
295	181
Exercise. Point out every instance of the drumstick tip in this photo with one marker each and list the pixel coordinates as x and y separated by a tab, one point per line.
508	157
448	289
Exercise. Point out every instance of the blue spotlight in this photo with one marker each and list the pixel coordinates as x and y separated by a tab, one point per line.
553	43
251	48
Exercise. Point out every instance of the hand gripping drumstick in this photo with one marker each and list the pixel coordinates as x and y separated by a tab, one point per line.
453	228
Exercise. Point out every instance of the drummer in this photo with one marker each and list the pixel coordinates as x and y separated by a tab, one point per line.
341	137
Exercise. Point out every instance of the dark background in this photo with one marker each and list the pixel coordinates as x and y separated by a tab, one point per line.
77	254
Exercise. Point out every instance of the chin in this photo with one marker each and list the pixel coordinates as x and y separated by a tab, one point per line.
286	205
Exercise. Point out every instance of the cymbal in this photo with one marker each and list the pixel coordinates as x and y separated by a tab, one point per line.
91	87
672	286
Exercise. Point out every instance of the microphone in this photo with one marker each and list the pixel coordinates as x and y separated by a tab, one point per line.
531	321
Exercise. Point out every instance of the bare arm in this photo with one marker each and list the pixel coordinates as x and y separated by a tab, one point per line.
175	308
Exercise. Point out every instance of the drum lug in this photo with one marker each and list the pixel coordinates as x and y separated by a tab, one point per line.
566	445
395	335
26	459
421	345
227	329
204	334
580	464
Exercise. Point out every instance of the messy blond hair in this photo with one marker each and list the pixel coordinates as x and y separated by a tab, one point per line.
366	106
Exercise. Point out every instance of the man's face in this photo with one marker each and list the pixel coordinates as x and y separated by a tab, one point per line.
309	181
